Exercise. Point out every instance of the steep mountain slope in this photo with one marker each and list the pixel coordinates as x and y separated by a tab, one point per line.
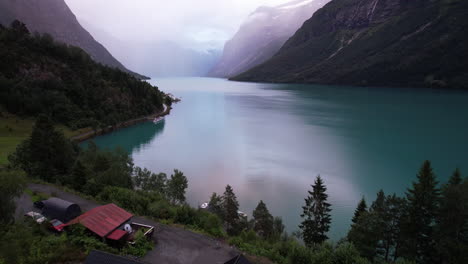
55	18
38	75
376	42
262	35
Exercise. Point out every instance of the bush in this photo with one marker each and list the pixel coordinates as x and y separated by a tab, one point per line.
161	210
141	246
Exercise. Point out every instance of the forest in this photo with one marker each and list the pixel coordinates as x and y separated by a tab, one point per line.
41	76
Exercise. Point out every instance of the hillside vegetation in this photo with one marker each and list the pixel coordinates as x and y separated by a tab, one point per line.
41	76
380	43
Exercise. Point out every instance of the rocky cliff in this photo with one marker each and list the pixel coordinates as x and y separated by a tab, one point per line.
55	18
262	35
375	42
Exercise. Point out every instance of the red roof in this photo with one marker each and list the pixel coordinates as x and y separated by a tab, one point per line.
117	234
103	220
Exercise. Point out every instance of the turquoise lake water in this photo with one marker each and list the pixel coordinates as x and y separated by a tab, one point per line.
270	141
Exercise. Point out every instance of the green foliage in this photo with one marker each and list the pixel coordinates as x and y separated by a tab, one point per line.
12	184
215	205
263	220
418	224
47	154
40	76
141	246
316	215
134	201
148	181
176	187
451	231
360	209
105	168
230	211
30	244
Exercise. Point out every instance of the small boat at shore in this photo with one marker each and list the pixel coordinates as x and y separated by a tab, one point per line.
158	119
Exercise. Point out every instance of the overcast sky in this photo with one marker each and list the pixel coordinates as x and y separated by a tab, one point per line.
202	24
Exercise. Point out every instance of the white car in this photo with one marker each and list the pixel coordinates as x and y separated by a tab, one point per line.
39	218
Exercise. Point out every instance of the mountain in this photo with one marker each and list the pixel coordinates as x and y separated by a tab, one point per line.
41	76
54	17
262	35
417	43
166	58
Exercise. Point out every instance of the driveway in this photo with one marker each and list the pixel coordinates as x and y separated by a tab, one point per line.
173	245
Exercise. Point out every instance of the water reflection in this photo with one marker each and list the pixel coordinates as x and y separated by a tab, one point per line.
132	139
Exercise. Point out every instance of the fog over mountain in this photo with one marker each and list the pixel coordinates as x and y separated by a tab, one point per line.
165	38
262	34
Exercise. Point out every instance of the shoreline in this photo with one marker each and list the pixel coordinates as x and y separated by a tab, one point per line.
102	131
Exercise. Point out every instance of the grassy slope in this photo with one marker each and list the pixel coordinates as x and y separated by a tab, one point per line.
13	130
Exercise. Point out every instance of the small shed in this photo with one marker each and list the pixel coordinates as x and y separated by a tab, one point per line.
99	257
239	259
105	221
55	208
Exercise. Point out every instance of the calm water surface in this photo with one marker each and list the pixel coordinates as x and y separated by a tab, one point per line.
270	141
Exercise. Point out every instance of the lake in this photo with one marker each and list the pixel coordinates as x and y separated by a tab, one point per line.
270	141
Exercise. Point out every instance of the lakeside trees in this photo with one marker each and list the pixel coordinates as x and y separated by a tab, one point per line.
316	215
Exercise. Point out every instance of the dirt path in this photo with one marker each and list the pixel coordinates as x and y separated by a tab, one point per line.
174	245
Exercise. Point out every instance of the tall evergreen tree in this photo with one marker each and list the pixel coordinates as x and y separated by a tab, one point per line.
176	187
418	228
230	208
12	184
215	205
263	220
360	209
316	215
452	221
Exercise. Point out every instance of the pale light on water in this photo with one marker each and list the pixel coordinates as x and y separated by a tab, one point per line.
270	141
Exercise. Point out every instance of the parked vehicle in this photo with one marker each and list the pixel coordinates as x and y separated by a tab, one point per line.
56	225
37	217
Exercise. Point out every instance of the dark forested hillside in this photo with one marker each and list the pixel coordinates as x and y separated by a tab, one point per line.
39	75
54	17
376	42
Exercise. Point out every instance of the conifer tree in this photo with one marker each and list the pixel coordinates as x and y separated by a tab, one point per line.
230	208
263	220
452	221
316	215
176	187
418	228
215	205
360	209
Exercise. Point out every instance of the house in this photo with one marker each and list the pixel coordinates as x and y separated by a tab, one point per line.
107	221
55	208
111	223
239	259
99	257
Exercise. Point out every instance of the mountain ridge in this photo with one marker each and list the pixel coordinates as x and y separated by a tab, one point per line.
375	43
262	34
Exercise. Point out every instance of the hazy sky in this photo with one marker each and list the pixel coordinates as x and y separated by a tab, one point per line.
201	24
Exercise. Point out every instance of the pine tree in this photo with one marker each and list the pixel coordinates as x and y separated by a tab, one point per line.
230	208
360	209
263	220
215	205
176	187
316	215
452	221
418	228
